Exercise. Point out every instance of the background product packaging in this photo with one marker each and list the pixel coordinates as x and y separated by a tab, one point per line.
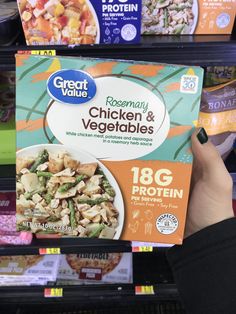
218	115
63	22
175	17
99	268
32	268
118	132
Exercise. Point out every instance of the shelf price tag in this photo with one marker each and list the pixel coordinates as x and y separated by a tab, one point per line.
144	290
53	292
50	251
142	249
38	52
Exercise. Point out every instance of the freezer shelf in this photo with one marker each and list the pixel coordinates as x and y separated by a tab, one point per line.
203	50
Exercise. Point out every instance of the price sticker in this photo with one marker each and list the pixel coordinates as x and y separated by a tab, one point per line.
38	52
53	292
50	251
142	249
43	52
144	290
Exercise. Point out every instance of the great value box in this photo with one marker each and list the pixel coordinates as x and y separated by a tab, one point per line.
63	22
104	147
174	17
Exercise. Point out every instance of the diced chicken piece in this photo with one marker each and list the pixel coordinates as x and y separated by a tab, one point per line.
36	198
67	180
77	216
113	222
108	197
23	204
107	233
110	209
96	179
19	187
87	169
83	207
97	218
40	211
70	193
92	212
65	173
22	163
56	164
70	163
43	167
24	171
64	204
65	220
103	213
92	186
65	211
81	230
72	12
54	203
30	182
84	222
58	211
80	186
82	197
54	180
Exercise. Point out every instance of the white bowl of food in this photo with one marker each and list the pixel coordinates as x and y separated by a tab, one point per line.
63	190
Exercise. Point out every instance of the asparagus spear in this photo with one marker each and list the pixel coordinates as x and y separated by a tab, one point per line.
48	197
72	213
106	184
96	201
96	232
42	158
29	195
65	187
44	174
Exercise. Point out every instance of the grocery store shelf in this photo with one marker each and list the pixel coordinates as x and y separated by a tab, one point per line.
203	50
67	246
88	294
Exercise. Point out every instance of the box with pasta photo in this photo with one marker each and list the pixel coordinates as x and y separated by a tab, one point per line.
103	147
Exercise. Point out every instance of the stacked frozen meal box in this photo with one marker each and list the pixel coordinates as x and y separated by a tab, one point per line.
104	147
28	269
95	268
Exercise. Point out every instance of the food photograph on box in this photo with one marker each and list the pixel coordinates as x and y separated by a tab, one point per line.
63	22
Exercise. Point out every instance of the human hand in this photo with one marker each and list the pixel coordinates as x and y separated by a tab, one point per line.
211	191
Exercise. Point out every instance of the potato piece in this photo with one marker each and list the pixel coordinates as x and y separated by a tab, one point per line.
55	164
22	163
70	163
87	169
30	182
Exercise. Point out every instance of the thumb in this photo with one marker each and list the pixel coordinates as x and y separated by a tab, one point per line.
205	154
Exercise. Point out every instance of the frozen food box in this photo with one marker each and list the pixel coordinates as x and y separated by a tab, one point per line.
66	22
175	17
96	267
104	147
30	267
8	141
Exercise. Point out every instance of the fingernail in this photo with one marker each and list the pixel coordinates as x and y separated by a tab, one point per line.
202	136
